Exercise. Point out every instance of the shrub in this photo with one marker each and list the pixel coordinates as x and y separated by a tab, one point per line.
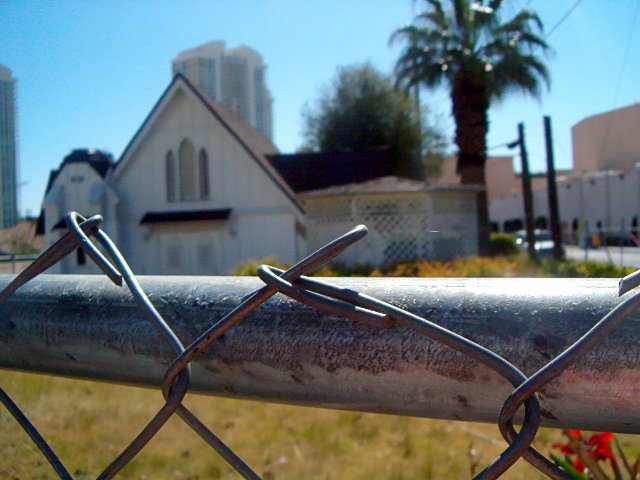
502	244
250	267
517	265
582	269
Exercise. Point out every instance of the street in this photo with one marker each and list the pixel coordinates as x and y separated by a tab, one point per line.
626	256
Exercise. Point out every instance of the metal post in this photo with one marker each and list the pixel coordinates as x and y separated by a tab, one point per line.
621	240
84	326
587	243
552	193
527	195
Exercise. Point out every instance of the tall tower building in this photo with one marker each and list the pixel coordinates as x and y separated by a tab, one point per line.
8	162
235	78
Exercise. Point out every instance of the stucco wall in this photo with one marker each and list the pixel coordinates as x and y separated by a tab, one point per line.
610	140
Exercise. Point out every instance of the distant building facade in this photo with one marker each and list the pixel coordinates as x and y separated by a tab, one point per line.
8	150
501	179
235	78
602	191
607	141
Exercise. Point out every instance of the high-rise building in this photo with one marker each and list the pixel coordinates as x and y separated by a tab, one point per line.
235	78
8	162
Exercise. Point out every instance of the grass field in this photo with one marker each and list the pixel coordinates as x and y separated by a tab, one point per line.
88	423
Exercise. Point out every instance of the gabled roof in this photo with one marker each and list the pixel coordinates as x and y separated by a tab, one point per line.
312	171
253	142
101	162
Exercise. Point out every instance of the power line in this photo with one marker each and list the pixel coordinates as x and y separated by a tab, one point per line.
564	17
625	55
499	146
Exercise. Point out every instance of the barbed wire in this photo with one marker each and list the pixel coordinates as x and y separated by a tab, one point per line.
342	302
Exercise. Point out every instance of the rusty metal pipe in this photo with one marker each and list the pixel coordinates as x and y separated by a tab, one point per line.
84	326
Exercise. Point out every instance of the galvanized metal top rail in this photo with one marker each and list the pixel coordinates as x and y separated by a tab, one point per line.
84	326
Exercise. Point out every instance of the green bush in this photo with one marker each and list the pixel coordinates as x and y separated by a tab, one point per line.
502	244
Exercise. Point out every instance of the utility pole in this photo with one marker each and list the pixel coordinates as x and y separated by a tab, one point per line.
526	193
552	193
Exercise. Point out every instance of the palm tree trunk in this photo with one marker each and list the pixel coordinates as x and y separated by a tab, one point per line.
470	102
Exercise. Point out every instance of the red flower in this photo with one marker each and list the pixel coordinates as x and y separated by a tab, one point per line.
577	434
597	447
566	449
601	438
599	443
578	465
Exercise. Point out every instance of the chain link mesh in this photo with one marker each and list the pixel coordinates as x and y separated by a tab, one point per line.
345	303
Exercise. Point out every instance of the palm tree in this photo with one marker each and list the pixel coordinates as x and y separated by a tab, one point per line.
480	59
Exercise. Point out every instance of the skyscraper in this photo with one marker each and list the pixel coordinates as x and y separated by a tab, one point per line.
235	78
8	170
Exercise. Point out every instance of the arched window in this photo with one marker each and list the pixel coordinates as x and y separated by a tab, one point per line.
203	173
187	168
170	174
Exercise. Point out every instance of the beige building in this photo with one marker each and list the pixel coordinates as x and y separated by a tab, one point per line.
607	141
500	176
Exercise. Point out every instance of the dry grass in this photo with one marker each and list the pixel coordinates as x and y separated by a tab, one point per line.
88	424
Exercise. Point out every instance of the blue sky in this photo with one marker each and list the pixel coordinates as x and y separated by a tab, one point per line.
89	72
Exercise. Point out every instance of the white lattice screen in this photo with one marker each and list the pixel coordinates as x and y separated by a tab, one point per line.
401	226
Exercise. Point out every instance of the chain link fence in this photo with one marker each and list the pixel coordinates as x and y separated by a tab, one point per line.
326	297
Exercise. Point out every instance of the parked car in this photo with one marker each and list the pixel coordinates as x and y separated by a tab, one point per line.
543	241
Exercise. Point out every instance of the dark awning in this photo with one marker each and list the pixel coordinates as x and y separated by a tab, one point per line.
185	216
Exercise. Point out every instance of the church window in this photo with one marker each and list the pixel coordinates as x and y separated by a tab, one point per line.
170	171
187	171
203	173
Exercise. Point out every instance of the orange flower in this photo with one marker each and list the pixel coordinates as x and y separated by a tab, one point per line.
577	434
